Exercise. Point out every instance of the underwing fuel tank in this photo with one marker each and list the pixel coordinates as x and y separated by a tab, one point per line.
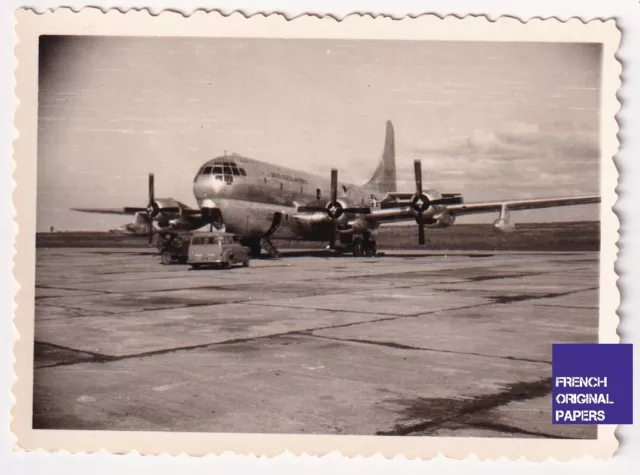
503	226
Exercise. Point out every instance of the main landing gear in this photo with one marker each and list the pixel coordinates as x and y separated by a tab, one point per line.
359	245
257	244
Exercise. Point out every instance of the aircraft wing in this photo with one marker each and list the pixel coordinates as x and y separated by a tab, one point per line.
514	205
118	211
404	212
132	211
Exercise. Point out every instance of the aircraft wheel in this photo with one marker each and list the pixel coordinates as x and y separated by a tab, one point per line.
166	258
358	247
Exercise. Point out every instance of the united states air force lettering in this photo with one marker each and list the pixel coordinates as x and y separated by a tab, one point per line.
290	178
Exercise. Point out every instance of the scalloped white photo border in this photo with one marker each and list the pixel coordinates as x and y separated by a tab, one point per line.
92	21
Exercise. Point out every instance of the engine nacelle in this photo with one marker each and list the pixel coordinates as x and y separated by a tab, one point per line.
443	220
357	226
503	226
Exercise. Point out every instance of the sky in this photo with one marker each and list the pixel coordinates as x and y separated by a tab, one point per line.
489	120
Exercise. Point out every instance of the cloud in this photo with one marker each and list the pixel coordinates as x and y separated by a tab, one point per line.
519	140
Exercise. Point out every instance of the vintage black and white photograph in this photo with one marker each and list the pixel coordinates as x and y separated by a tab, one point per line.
332	236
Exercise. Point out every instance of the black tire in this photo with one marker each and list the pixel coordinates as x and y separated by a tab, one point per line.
166	258
195	266
358	247
245	263
256	250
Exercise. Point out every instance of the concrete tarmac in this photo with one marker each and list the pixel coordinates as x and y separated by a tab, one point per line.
413	343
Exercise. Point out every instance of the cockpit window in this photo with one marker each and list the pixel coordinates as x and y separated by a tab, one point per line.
226	169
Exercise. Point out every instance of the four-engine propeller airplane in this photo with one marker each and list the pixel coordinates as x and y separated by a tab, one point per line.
258	201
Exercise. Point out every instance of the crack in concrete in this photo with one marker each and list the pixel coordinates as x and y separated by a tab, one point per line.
391	344
441	411
102	358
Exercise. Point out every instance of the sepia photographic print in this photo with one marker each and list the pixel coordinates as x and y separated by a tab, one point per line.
235	232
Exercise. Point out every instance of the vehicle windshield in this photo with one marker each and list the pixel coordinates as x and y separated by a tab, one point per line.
212	240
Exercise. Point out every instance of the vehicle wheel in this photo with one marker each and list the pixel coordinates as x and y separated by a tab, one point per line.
245	264
166	258
195	266
358	247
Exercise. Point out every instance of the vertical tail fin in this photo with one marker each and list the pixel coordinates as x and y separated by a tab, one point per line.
384	178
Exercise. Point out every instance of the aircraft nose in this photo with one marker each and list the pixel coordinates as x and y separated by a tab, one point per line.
208	186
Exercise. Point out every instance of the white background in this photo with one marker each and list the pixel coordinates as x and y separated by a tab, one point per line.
627	13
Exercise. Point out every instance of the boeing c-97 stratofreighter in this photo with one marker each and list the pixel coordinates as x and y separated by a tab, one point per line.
258	201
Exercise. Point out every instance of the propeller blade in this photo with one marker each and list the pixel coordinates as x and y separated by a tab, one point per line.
152	199
169	209
332	237
309	209
421	233
417	168
130	209
447	201
152	196
334	185
357	210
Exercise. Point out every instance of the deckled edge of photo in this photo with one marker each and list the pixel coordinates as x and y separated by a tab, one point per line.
93	21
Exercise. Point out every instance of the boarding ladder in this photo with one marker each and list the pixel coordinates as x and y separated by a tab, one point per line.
268	246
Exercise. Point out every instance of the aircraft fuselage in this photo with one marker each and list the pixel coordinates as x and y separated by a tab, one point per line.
248	193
